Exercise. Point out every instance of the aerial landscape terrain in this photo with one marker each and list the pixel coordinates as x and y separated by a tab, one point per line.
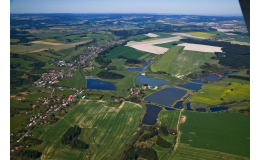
129	86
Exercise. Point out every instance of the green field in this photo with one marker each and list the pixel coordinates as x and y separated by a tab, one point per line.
179	62
106	129
118	63
164	35
23	49
76	81
140	37
22	62
230	80
151	39
224	132
169	118
125	51
212	94
186	152
16	122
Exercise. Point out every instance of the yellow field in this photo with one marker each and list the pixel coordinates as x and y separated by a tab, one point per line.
14	40
85	37
149	39
50	40
160	21
212	94
204	34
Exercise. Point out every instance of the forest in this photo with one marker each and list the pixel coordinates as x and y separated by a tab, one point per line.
70	138
109	75
233	55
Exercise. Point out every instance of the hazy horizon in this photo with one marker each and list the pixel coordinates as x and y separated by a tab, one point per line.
163	7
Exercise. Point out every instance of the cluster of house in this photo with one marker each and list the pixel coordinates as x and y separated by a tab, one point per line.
119	100
133	92
63	63
52	77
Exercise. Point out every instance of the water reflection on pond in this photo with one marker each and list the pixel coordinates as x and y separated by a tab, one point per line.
150	117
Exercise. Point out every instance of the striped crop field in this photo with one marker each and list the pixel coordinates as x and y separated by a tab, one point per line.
169	118
179	62
185	152
106	129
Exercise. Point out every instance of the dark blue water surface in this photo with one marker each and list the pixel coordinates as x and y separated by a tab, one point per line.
170	109
225	74
178	104
201	109
212	77
188	107
136	69
166	96
150	81
215	109
192	86
198	81
151	114
98	84
148	62
136	85
234	72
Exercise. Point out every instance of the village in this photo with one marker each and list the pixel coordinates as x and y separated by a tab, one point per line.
53	77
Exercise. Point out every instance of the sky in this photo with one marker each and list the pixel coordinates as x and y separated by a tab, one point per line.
186	7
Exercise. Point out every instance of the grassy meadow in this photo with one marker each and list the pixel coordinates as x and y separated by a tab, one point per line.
106	129
179	62
118	63
76	81
168	45
224	132
169	118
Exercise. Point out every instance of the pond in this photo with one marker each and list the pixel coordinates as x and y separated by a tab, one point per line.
225	74
215	109
150	117
148	62
169	109
166	96
212	77
98	84
178	104
151	81
136	69
199	81
192	86
234	72
188	107
136	85
201	109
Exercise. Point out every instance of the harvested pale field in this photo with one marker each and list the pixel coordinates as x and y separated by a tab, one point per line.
200	47
157	41
60	47
148	46
151	35
188	35
48	43
231	34
224	30
58	28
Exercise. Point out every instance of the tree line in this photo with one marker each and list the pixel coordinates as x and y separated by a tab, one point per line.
233	55
109	75
143	134
70	138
